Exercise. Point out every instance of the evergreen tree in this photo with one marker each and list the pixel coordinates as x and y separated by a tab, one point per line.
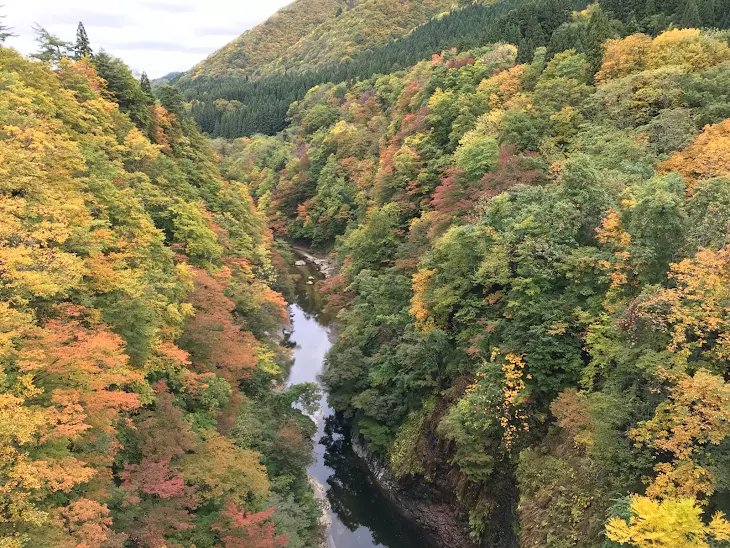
632	25
722	11
650	8
144	83
50	47
690	17
706	10
4	30
125	87
82	47
599	30
171	99
533	37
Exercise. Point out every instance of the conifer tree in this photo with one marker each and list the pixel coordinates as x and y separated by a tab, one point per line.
649	8
706	10
144	83
50	47
690	18
4	29
82	47
599	30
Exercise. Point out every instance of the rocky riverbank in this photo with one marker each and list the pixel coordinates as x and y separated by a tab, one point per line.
422	503
325	265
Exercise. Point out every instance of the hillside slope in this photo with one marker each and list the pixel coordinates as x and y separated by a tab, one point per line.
255	48
532	299
309	33
138	313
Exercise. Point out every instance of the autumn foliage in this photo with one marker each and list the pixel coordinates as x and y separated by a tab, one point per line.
119	358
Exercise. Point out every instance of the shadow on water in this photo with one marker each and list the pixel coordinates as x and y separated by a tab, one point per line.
361	516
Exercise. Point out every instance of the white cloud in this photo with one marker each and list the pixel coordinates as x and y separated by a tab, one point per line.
158	36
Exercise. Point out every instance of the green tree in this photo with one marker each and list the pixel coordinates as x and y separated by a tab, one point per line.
82	48
125	87
4	29
50	47
690	17
144	83
171	99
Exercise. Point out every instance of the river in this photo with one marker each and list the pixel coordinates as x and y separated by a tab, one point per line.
360	516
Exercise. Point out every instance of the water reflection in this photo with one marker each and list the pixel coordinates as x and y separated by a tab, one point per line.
361	517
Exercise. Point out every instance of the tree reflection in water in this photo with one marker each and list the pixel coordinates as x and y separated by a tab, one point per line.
354	497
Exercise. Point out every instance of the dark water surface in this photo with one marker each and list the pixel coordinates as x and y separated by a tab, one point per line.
361	517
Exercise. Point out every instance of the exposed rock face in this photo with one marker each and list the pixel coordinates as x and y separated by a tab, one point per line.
424	503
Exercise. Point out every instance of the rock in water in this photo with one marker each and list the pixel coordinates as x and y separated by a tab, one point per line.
300	263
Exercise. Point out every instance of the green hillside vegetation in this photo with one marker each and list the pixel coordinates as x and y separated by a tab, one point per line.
250	54
233	107
532	295
140	308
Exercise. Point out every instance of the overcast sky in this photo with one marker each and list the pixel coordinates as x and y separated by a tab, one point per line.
158	36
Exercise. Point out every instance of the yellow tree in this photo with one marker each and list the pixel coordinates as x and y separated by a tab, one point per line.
667	524
706	158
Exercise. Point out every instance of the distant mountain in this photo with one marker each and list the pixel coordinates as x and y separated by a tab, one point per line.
308	34
169	78
255	48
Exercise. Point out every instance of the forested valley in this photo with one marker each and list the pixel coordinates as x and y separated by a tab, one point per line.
532	294
141	307
528	208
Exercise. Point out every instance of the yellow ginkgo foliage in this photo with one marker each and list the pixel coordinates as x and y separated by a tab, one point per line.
669	523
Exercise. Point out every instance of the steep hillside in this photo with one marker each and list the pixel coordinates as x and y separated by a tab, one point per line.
310	33
232	108
250	53
368	25
139	316
533	250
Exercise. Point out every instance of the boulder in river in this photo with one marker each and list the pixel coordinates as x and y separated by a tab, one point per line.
300	263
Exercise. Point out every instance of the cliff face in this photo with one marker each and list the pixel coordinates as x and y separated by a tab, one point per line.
432	505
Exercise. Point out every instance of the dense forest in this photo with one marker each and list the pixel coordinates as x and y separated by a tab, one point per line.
534	266
141	308
528	205
230	104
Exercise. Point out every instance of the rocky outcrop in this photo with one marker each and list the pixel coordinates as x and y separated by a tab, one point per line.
323	264
425	503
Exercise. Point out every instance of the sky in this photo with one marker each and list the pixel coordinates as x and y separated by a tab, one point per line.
156	36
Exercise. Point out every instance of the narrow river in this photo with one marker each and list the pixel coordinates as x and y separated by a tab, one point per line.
360	516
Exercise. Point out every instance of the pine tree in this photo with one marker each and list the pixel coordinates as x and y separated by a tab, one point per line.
50	47
632	24
690	17
599	30
82	47
4	29
144	83
722	11
532	38
649	8
706	11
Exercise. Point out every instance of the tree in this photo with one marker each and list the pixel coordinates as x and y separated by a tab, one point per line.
125	87
690	18
171	99
50	47
144	83
667	524
4	30
82	48
706	158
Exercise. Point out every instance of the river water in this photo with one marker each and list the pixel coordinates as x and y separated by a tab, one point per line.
360	516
